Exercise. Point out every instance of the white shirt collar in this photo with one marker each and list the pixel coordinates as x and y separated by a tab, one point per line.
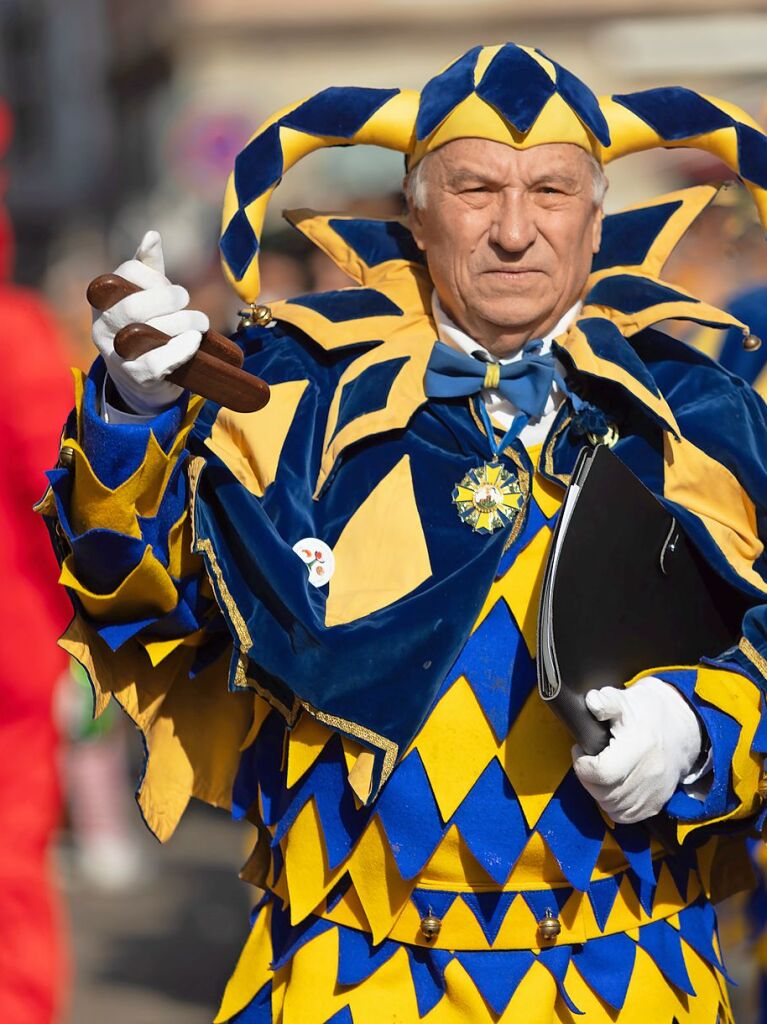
451	334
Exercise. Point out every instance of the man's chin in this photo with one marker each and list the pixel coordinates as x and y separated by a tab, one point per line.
511	316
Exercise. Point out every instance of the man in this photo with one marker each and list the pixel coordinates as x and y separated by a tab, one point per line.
360	562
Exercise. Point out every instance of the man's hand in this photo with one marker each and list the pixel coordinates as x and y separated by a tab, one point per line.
141	382
655	741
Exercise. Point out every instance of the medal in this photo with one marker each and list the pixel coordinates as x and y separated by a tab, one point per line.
488	497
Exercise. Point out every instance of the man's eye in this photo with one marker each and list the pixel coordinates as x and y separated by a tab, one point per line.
550	190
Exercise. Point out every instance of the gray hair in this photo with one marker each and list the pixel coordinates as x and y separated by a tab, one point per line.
415	183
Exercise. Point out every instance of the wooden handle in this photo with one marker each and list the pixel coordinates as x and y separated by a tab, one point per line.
136	339
215	372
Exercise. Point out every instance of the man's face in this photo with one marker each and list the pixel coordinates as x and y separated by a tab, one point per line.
508	235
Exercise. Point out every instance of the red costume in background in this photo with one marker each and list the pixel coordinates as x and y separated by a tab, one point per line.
34	399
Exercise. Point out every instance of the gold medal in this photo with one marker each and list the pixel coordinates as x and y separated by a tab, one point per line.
488	497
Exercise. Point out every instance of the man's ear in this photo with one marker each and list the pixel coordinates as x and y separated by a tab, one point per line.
414	222
596	230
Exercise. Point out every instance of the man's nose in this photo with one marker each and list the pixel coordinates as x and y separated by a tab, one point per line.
513	227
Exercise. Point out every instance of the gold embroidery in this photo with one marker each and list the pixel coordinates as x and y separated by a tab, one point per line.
548	453
753	656
359	732
290	714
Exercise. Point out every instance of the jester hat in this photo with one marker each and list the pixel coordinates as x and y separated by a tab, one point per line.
510	94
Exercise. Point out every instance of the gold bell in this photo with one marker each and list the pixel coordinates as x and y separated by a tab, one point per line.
761	787
255	316
549	926
751	342
66	457
430	926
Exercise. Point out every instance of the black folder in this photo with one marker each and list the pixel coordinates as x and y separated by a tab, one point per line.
624	591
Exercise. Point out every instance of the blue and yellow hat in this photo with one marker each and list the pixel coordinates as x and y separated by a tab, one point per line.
511	94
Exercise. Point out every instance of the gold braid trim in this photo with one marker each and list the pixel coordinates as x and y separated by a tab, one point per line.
359	732
224	597
753	656
245	643
548	453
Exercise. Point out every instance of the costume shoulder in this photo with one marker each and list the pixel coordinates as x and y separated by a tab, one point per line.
715	409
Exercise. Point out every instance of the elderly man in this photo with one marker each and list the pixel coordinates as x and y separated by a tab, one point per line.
322	614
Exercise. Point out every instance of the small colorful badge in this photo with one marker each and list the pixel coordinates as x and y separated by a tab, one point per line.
318	558
488	498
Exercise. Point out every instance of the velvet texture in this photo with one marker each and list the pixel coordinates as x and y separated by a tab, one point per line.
582	100
338	306
750	306
627	237
517	86
444	92
676	113
337	668
378	241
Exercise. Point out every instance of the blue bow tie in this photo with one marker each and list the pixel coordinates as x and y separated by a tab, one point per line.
526	382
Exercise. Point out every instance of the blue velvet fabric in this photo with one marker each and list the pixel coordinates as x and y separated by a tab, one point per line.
517	86
750	306
339	669
368	392
627	236
608	343
377	241
675	113
342	305
329	667
752	155
337	112
444	92
258	166
629	294
115	455
583	102
238	244
723	733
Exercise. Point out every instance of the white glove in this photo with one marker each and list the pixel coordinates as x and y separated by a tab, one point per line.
141	382
655	741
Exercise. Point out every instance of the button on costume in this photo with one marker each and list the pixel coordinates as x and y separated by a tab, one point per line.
425	848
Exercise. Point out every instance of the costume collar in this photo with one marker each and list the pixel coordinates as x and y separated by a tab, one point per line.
388	314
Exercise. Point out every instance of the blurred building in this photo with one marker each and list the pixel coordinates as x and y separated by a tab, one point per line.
129	115
82	79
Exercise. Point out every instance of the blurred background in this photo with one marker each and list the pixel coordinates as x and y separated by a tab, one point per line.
127	116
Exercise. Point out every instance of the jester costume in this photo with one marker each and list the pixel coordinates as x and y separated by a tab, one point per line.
419	823
750	306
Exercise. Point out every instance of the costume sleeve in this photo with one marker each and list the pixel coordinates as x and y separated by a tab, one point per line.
714	481
730	706
146	626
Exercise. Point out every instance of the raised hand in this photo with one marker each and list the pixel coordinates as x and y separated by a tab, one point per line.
142	382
